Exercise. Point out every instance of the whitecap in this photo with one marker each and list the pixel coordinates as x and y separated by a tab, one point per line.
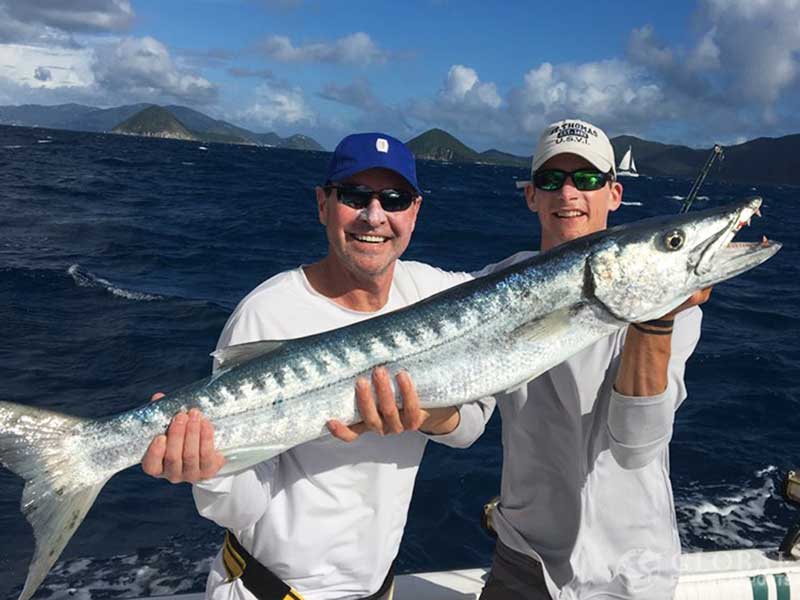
729	514
632	204
88	279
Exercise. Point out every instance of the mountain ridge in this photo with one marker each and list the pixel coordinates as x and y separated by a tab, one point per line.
762	160
80	117
155	121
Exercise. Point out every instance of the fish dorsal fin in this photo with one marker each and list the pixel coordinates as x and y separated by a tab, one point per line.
233	356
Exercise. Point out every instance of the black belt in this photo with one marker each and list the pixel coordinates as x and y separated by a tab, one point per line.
263	583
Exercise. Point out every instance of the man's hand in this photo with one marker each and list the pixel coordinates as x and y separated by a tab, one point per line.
383	416
186	453
695	299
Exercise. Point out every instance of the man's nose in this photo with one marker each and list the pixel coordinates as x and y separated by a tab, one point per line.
568	190
373	213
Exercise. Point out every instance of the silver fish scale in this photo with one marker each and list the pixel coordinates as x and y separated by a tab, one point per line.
458	346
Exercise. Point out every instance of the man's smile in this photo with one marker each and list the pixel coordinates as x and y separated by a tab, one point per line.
569	213
368	238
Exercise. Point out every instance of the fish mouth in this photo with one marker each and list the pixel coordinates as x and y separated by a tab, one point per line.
723	258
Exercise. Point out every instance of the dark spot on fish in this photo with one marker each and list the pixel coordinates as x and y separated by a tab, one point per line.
75	521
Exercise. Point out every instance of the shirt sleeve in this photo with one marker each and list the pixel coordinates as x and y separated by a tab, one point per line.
641	426
236	501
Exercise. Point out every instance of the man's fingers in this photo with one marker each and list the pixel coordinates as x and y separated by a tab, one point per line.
347	434
703	295
209	457
387	404
411	415
153	461
366	406
190	457
173	458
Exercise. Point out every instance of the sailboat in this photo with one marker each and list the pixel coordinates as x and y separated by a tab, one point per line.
627	166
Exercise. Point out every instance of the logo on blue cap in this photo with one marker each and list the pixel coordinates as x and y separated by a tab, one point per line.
361	151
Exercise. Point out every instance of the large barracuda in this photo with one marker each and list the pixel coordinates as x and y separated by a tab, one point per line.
483	337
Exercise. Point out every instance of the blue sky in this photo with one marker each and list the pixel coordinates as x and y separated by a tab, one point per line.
680	72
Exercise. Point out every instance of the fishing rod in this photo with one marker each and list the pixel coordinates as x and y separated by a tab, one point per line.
715	153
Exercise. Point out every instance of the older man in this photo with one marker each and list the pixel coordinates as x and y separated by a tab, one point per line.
324	520
586	506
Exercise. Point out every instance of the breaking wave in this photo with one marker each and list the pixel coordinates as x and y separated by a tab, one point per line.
731	515
87	279
154	572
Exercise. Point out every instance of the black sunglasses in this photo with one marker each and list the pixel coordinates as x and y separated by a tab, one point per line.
586	180
359	196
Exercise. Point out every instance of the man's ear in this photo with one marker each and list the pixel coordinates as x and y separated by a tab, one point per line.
322	203
615	199
530	197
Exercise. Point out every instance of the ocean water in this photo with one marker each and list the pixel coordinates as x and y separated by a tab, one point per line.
121	258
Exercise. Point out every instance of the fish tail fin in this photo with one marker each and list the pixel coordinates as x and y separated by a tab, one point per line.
39	446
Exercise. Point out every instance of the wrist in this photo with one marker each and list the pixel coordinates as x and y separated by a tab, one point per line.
442	421
662	326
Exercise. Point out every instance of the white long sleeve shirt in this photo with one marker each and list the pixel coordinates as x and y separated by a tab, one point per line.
585	485
326	517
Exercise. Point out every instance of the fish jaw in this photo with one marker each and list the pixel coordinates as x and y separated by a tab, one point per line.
644	271
723	258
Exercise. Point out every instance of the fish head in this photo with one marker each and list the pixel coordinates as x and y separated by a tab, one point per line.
642	271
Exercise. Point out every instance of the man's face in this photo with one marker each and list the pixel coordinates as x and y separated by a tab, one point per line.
367	241
569	213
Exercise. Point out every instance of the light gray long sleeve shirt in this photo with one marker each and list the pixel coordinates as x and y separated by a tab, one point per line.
585	484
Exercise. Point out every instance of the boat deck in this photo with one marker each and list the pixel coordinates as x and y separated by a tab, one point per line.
724	575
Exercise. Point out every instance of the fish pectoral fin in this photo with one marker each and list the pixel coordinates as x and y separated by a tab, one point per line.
239	459
238	354
545	329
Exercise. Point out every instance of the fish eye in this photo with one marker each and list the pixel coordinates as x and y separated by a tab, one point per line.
674	240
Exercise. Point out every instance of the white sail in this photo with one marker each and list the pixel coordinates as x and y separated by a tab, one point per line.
627	166
625	163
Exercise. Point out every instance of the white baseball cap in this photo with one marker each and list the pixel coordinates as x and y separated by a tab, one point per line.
575	137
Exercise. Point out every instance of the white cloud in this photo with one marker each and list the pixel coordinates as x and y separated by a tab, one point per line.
356	48
275	105
67	67
463	86
607	92
142	69
758	44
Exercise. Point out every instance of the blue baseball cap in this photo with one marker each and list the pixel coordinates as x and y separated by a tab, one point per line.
361	151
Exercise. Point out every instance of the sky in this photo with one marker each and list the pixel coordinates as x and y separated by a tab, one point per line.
692	73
